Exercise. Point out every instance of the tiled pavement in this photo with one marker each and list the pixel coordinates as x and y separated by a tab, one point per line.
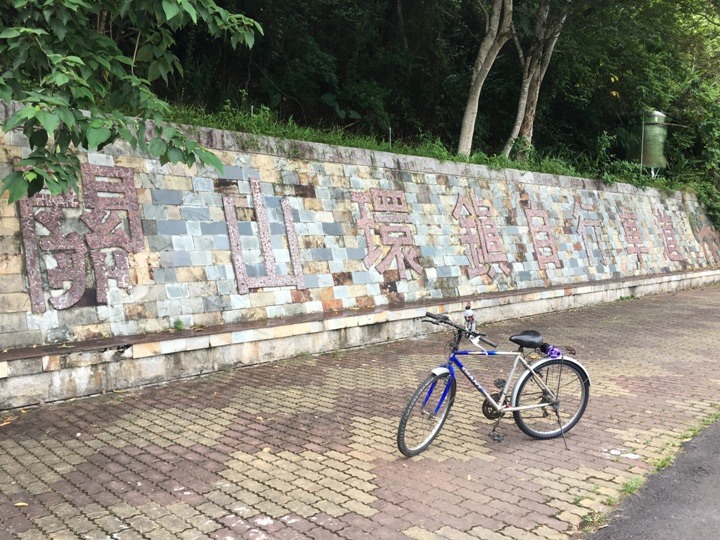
306	448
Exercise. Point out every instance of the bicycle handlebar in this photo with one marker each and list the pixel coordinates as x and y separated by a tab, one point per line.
444	319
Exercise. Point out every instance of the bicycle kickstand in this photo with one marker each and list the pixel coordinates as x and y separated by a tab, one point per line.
562	431
494	435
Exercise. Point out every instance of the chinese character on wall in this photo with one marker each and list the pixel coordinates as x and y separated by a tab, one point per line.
272	277
589	231
481	236
667	232
709	240
390	221
541	234
60	233
633	237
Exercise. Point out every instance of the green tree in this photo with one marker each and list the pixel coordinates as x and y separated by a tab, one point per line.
625	56
549	21
498	31
83	73
400	64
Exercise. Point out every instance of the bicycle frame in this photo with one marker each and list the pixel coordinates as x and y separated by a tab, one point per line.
454	362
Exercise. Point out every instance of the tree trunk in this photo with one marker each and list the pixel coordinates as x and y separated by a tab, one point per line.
401	23
497	33
521	108
528	122
535	66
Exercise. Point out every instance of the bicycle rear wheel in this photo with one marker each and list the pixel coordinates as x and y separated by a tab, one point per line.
571	390
426	413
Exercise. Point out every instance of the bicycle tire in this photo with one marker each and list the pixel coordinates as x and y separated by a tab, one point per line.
572	390
426	413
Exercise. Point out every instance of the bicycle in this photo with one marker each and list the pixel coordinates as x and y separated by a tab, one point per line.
548	398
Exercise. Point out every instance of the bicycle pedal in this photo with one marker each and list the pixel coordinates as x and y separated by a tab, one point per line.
499	383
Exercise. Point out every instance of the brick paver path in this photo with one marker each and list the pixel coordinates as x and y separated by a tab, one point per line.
306	448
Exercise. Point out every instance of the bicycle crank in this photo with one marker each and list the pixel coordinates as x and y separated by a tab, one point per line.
489	410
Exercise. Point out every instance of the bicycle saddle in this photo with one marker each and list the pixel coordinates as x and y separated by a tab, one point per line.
529	339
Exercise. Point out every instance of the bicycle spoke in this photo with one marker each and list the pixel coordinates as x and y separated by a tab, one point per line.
425	414
563	410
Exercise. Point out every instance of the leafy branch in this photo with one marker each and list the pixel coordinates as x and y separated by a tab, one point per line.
79	87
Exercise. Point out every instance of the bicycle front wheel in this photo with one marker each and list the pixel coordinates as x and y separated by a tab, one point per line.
426	413
562	403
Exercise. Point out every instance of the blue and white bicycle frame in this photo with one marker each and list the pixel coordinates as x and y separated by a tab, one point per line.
530	371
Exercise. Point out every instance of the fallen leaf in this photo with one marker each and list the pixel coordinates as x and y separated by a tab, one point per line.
8	421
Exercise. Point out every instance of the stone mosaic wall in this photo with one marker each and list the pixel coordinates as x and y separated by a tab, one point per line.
293	229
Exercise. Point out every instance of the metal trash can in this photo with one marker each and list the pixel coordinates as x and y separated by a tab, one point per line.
654	135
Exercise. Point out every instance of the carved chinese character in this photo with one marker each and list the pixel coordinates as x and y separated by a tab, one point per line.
541	234
672	248
709	240
112	214
66	263
481	236
633	236
53	234
390	220
589	230
271	278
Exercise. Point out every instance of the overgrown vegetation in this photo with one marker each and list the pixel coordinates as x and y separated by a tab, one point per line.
632	485
593	520
603	166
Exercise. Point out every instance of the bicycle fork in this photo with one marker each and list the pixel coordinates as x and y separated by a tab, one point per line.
442	399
